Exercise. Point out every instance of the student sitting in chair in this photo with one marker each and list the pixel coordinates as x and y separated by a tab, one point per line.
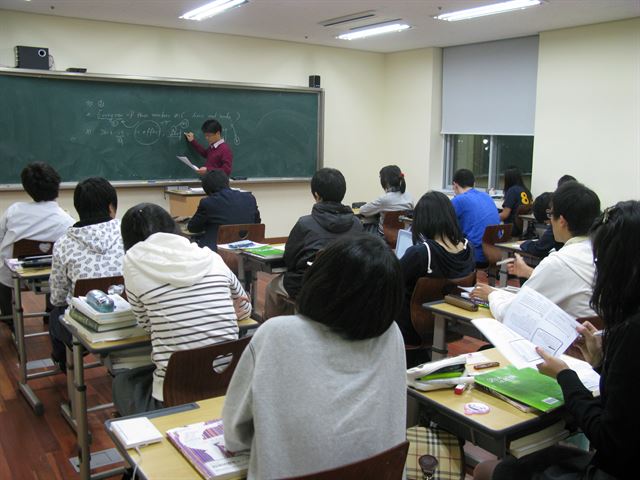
475	211
515	194
395	197
42	219
565	277
183	295
610	421
324	387
91	248
439	250
222	206
329	220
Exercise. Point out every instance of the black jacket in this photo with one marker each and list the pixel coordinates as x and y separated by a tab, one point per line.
328	220
225	207
542	247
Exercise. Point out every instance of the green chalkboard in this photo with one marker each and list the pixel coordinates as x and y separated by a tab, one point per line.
130	129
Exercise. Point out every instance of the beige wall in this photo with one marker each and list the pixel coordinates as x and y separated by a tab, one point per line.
588	109
356	139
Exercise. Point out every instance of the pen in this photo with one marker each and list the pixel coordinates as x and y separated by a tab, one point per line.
599	333
507	260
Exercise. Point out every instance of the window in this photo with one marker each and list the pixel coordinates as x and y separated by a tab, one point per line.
488	156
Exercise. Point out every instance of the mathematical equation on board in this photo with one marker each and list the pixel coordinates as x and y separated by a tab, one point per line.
147	128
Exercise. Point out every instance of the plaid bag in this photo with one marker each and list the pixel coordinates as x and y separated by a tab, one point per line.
447	449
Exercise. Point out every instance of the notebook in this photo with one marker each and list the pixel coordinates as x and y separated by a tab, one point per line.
404	241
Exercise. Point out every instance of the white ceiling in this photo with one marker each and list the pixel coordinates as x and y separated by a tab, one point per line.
299	20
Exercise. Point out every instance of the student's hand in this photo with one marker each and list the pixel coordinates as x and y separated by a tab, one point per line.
202	170
589	344
482	291
551	366
519	268
189	136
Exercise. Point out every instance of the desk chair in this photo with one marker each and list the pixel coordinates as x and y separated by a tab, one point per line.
191	376
494	234
236	233
388	465
429	289
391	225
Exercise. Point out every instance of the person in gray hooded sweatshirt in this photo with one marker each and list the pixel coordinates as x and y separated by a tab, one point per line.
91	248
185	296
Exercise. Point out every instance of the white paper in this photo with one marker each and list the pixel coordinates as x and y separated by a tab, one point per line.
186	161
531	320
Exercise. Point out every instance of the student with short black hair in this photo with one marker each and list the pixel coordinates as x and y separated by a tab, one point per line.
183	295
565	277
542	246
324	387
91	248
218	155
515	194
329	220
221	206
439	250
610	420
474	209
395	197
42	219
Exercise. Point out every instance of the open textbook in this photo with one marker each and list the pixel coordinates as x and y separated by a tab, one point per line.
531	320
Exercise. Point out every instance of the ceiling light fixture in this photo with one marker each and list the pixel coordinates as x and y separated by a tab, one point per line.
211	9
370	31
488	10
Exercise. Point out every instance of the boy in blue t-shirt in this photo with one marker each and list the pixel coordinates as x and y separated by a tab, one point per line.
475	210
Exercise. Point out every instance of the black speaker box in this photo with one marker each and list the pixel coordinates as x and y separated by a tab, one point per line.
32	57
314	81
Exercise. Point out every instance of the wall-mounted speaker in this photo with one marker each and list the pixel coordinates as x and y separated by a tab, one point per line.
314	81
32	57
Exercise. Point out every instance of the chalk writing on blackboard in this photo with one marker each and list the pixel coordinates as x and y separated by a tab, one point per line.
148	128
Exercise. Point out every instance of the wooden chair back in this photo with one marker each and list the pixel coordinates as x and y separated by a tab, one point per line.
391	225
494	234
235	233
192	376
84	285
27	248
429	289
388	465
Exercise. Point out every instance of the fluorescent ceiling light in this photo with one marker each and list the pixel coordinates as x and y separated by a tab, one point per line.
377	30
488	10
211	9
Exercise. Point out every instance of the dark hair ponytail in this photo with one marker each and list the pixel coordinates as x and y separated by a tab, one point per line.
142	221
392	179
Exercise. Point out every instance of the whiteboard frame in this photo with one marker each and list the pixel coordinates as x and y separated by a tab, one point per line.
184	82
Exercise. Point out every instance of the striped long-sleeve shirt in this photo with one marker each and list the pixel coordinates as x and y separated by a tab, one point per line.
184	296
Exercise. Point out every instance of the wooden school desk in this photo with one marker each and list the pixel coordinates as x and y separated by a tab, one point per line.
458	318
76	413
37	281
162	461
184	203
493	431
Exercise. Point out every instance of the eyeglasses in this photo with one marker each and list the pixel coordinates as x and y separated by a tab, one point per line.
549	213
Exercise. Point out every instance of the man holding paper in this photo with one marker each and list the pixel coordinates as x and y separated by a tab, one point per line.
565	277
218	155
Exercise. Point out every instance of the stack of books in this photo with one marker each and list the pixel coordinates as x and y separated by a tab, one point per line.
94	326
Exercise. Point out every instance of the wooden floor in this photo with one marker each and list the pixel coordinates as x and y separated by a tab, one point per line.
39	447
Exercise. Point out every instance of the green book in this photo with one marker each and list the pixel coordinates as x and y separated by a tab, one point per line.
265	251
526	385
